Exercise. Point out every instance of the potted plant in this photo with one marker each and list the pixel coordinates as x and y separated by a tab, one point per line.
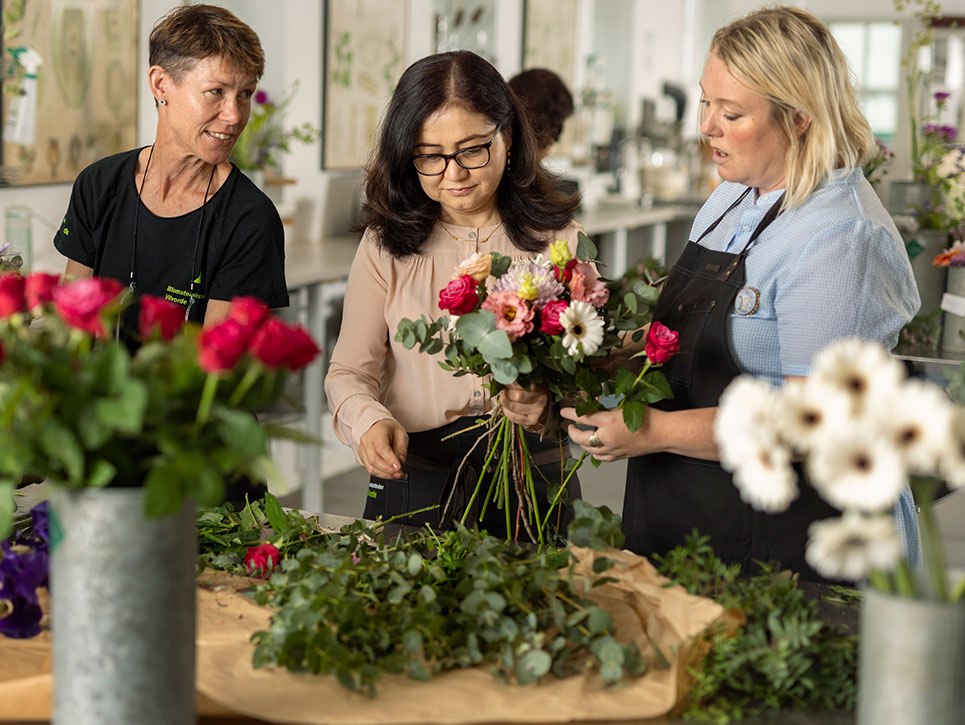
931	204
863	430
127	445
265	138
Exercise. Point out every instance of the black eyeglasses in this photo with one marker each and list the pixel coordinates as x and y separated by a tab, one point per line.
471	157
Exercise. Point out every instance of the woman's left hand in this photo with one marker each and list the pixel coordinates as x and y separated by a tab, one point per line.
528	408
611	433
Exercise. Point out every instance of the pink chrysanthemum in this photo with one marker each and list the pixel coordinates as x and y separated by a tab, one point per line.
548	288
512	314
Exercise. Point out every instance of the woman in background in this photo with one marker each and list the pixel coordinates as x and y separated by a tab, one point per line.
547	101
456	172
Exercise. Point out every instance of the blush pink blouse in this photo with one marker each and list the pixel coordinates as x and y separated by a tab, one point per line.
372	377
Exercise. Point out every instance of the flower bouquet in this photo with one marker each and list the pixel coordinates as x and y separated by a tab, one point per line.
862	429
78	410
265	138
547	322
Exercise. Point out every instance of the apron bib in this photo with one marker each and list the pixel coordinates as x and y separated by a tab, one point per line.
668	495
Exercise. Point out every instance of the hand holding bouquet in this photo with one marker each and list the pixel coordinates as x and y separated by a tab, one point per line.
548	322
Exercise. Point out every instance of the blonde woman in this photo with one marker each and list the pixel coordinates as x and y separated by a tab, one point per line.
792	251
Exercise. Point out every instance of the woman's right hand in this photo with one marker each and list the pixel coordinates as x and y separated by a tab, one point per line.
382	448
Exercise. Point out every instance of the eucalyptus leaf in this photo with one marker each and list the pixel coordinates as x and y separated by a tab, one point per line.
585	248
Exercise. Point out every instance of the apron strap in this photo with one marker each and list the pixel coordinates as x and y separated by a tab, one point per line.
765	222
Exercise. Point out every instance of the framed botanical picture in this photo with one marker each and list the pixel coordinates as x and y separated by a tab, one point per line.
70	86
364	55
549	37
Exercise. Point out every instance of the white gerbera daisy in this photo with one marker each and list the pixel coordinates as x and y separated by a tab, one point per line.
745	419
951	463
862	369
852	546
917	420
809	408
583	329
854	466
765	477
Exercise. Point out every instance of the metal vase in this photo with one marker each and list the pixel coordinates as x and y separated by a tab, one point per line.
912	661
953	326
930	279
123	610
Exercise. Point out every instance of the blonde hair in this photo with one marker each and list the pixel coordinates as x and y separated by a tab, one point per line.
790	58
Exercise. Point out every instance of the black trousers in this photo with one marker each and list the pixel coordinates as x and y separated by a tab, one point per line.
429	477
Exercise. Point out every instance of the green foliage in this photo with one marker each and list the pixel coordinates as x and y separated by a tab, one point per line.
265	137
784	657
355	605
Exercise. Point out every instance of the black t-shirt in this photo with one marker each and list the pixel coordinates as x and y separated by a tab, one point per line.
240	240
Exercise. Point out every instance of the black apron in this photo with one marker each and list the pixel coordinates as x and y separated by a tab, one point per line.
668	495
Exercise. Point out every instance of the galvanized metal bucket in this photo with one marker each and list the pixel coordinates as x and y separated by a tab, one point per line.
122	610
912	661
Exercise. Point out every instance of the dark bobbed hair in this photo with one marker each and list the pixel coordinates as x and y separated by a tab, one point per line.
547	100
190	33
397	207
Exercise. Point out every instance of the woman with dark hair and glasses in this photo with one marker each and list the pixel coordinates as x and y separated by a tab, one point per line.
456	171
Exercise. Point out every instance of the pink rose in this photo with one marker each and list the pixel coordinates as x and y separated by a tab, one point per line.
512	314
221	347
80	303
276	344
550	317
12	298
459	296
586	285
662	343
250	312
261	560
158	314
39	288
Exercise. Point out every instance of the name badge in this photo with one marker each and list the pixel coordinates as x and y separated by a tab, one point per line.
747	301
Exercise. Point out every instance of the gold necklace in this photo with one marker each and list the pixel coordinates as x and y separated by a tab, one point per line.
460	239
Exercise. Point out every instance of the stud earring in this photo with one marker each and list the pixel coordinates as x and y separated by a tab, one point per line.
163	102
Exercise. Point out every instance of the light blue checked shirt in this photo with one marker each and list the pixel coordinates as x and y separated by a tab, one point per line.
832	268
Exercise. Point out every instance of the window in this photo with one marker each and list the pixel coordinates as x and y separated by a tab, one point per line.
873	50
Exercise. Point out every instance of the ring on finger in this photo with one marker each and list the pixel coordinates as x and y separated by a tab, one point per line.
595	441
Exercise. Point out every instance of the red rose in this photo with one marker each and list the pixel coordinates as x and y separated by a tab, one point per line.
564	275
276	344
301	349
662	343
261	559
158	313
11	294
459	296
549	322
38	289
221	347
250	312
80	303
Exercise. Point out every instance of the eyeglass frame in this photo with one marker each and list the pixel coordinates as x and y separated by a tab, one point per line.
454	156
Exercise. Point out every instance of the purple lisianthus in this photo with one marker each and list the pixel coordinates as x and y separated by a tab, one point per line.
941	96
261	97
20	618
24	567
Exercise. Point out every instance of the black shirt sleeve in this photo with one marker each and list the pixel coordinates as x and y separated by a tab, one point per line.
253	256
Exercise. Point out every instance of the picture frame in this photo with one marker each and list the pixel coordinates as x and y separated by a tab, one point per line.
82	103
364	56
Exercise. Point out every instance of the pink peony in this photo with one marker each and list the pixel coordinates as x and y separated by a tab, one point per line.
586	285
549	322
512	314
